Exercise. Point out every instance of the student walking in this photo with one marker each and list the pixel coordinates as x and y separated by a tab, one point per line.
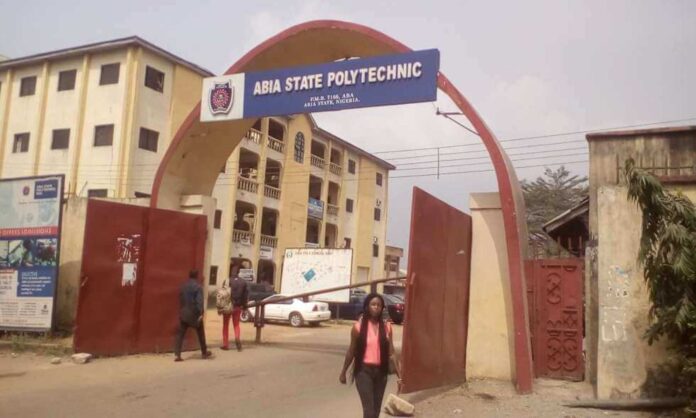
191	315
371	350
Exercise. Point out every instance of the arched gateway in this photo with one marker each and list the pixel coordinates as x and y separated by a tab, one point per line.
191	164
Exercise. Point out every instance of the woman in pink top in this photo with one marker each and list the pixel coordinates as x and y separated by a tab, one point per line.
371	349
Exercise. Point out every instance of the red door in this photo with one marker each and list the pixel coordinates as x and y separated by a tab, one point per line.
133	263
437	295
558	317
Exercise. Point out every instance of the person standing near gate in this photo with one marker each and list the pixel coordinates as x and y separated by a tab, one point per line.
240	298
191	315
223	302
371	349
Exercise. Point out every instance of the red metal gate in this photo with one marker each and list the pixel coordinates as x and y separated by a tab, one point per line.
437	294
556	317
134	261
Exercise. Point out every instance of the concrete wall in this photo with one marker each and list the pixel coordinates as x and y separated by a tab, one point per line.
71	246
490	344
624	356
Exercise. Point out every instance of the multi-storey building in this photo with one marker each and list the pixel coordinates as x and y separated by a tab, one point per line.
104	114
292	184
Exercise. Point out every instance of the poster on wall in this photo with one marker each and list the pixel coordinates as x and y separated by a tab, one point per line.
30	216
313	269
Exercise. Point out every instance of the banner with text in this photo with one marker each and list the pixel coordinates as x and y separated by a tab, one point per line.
30	216
376	81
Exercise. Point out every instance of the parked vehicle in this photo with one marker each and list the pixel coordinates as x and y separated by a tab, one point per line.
260	291
294	311
396	307
350	310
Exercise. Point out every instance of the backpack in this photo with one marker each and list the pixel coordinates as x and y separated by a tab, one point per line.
239	292
223	300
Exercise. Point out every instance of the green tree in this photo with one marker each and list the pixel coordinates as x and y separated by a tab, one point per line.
668	256
547	197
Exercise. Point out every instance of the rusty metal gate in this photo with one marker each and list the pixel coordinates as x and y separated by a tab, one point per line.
437	294
134	261
555	293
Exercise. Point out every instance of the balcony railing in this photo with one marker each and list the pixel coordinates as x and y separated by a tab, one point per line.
243	237
271	192
318	162
269	241
254	136
332	209
276	145
312	245
335	168
247	185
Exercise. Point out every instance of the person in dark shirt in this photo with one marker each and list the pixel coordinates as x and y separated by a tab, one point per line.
191	315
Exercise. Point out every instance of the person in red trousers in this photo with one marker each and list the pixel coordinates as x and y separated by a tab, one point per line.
239	295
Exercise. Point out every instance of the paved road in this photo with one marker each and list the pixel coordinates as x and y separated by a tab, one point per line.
293	374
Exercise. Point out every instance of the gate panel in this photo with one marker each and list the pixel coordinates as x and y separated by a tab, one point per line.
176	244
156	248
437	294
105	321
558	335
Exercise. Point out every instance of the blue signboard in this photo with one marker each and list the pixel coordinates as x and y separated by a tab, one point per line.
376	81
315	208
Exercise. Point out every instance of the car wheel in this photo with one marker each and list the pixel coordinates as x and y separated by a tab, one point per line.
296	319
245	316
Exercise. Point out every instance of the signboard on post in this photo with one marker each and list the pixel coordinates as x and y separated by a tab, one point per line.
30	216
375	81
315	208
312	269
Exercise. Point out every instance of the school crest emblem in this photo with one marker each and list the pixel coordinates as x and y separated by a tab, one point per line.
221	98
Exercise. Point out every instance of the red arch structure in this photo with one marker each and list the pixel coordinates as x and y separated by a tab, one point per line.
197	151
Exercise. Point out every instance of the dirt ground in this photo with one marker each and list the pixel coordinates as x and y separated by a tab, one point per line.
492	398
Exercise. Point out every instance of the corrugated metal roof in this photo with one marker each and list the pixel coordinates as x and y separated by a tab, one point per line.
642	132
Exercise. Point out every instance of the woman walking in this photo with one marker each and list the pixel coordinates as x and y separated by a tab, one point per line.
371	350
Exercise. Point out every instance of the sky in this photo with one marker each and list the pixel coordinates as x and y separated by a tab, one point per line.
531	69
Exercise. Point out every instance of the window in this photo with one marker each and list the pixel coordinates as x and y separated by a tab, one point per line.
27	86
61	139
378	214
375	250
109	74
349	205
218	219
148	139
346	242
213	275
299	147
97	193
66	80
21	143
351	166
154	79
103	135
379	179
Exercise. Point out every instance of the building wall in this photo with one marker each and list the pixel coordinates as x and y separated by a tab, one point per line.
655	148
490	343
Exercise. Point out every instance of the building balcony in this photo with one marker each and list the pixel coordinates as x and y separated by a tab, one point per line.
318	162
269	241
253	136
276	145
243	237
271	192
332	210
335	168
247	185
312	245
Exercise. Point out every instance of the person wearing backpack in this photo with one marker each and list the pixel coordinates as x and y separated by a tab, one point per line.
223	302
239	295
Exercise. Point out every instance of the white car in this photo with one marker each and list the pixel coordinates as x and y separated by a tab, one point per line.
294	311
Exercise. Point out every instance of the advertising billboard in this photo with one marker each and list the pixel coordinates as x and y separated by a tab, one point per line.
312	269
30	216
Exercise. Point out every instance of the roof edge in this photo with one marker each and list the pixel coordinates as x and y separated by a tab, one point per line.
641	132
99	47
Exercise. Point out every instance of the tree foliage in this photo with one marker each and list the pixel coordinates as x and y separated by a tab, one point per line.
550	195
668	256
